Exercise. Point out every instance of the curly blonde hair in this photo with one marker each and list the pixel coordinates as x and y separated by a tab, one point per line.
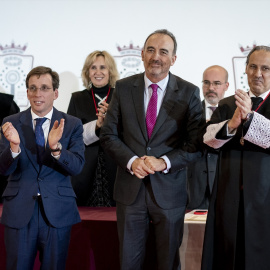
110	63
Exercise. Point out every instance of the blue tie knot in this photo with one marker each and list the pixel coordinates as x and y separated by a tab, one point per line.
40	121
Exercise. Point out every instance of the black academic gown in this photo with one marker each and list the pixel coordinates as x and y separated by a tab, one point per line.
248	165
7	107
82	106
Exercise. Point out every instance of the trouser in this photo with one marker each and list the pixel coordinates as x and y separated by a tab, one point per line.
22	244
133	228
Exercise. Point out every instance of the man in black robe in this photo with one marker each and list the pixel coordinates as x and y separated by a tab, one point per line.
7	107
238	226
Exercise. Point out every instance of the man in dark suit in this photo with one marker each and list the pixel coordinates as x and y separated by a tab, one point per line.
237	234
201	174
39	202
150	130
7	107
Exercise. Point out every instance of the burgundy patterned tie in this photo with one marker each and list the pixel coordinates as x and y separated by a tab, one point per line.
151	113
212	108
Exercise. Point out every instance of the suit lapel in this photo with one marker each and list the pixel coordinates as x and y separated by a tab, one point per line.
203	107
167	104
28	139
138	99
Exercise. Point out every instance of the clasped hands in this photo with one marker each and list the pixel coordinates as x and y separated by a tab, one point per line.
244	105
145	165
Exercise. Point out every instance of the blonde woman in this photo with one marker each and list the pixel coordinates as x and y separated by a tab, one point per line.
94	185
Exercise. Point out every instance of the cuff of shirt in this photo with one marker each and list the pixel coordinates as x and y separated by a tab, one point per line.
130	163
168	163
89	133
14	155
56	157
233	132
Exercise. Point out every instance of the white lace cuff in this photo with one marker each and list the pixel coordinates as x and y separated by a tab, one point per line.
89	132
259	131
209	137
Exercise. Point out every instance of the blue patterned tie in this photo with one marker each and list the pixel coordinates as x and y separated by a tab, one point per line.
40	141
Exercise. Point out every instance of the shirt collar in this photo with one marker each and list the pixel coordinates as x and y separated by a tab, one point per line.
161	84
207	104
263	96
48	115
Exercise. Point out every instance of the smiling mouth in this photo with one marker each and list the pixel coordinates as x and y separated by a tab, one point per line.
99	79
38	102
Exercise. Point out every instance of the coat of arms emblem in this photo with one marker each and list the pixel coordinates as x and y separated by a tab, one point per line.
129	62
14	66
239	67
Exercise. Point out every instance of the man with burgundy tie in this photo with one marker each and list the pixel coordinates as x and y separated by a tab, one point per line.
151	130
237	232
39	149
201	174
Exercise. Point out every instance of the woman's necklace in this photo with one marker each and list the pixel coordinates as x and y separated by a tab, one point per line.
105	98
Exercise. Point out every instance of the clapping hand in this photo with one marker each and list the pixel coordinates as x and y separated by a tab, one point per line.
56	133
12	136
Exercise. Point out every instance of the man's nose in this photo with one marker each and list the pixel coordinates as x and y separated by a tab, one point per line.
155	55
211	86
258	73
38	91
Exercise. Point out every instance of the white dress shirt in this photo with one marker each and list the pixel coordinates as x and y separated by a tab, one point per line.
208	111
45	127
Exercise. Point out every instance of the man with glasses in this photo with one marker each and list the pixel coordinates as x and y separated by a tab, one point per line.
237	234
201	174
39	149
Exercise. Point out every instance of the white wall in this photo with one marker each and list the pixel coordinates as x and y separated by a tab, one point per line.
60	34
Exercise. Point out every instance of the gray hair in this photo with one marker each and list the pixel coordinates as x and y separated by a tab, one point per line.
257	48
164	32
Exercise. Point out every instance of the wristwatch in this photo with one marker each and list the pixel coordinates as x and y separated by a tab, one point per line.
58	148
248	116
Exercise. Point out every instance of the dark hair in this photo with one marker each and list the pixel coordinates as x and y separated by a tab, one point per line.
164	32
41	70
257	48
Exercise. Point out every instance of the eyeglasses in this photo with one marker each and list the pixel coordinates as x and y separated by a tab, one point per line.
43	88
216	84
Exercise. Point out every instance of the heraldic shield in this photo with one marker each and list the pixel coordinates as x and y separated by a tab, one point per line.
14	67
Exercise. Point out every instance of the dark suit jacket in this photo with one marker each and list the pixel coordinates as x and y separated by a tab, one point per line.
201	176
7	107
124	135
53	180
